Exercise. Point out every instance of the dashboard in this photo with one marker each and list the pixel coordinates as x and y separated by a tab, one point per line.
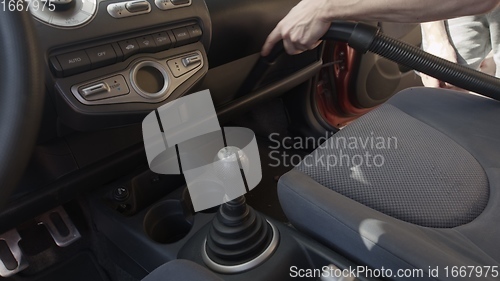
109	63
113	61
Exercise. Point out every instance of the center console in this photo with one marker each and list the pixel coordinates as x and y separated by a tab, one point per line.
233	241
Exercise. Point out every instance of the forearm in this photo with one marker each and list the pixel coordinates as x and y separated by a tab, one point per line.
310	19
403	10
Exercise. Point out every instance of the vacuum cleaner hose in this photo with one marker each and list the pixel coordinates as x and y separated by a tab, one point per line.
363	37
415	58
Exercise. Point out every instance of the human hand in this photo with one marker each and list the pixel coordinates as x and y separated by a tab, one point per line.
443	50
301	29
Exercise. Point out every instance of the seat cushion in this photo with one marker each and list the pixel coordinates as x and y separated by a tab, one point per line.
400	166
429	199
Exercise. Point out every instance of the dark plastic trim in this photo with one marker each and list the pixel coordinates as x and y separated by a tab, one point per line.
66	188
244	103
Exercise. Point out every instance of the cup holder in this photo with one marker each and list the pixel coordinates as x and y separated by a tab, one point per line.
168	221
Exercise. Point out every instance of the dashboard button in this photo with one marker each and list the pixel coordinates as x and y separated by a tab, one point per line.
181	36
171	4
107	88
146	43
179	2
137	6
129	48
127	9
101	56
195	32
162	41
93	90
183	65
188	61
73	63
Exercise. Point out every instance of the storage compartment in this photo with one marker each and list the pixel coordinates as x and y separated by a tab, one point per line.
169	221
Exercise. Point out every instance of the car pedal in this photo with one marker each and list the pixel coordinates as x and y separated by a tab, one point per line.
60	226
12	259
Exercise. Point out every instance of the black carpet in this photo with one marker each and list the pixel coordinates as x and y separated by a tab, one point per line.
82	267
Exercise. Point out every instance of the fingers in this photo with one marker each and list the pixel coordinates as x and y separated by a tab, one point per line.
294	44
300	29
291	47
273	38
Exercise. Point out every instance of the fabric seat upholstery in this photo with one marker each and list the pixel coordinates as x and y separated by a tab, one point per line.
434	202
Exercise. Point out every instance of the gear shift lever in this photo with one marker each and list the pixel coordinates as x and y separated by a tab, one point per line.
239	237
230	163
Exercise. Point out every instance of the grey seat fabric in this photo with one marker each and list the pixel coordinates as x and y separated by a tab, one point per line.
403	168
178	270
435	202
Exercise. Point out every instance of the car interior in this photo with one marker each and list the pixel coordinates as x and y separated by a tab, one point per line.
366	175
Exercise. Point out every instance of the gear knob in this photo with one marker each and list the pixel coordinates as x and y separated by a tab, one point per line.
231	162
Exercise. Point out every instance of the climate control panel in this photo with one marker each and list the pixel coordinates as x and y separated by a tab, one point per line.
75	62
148	80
